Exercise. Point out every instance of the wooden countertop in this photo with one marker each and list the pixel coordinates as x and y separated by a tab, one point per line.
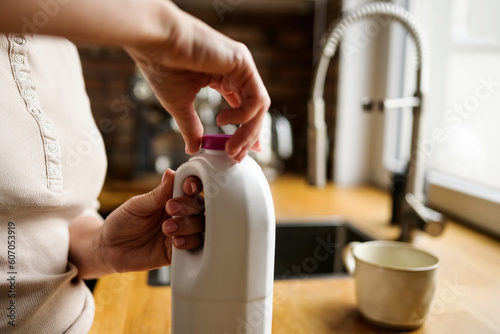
467	298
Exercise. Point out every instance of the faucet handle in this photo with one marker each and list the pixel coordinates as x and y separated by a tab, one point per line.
369	104
403	102
423	217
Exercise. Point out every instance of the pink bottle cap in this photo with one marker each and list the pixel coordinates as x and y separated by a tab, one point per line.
214	142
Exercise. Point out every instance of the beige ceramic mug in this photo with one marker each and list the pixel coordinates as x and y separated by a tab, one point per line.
394	281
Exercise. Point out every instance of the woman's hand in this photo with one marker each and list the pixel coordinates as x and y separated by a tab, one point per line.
139	235
190	55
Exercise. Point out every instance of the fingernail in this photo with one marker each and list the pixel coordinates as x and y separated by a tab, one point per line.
173	207
256	147
164	177
194	187
238	157
179	241
171	226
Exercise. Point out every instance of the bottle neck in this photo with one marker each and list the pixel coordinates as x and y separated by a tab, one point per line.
214	152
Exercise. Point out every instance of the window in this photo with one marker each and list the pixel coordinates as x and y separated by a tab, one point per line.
460	136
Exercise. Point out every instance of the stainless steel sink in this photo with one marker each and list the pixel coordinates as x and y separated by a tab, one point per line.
304	249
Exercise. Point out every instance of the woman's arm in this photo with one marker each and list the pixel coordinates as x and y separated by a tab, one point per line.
177	53
116	22
84	251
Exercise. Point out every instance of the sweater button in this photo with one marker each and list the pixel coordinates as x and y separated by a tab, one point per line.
22	75
19	58
55	170
48	127
19	40
52	148
28	93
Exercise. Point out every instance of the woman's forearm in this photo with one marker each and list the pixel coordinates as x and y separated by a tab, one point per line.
177	53
84	248
117	22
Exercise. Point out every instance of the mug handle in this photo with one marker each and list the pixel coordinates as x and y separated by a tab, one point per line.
348	257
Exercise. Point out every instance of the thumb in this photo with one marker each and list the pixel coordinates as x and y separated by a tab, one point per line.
154	200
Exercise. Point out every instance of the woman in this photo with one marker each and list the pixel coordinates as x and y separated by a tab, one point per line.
50	233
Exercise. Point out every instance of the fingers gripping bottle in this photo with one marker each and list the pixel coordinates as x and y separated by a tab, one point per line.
226	287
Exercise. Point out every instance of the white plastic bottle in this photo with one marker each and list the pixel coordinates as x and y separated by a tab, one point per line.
226	287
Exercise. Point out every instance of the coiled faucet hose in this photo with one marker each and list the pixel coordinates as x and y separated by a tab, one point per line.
335	32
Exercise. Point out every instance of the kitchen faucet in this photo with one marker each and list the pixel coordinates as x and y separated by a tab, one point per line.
408	209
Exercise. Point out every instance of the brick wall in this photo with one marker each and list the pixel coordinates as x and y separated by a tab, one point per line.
107	73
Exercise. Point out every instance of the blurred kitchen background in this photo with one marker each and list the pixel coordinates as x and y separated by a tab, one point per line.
281	36
376	61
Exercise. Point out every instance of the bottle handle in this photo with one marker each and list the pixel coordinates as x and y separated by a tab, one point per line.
183	172
348	257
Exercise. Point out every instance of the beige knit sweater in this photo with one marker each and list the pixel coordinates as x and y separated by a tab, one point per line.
52	166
